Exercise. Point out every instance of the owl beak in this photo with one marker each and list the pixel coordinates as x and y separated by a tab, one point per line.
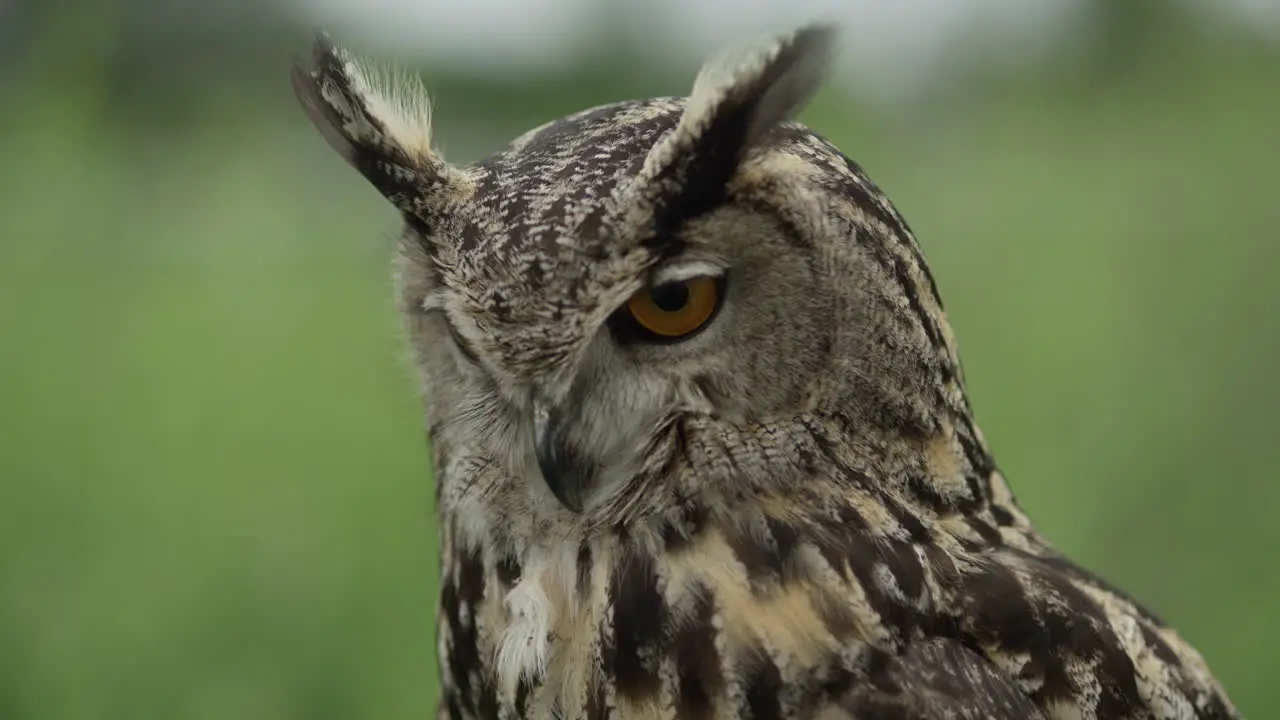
567	472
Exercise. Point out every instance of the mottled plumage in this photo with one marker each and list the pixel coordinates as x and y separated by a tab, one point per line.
786	513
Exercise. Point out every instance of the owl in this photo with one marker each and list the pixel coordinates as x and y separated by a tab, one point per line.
701	441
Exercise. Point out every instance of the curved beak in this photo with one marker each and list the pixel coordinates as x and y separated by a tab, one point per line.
567	471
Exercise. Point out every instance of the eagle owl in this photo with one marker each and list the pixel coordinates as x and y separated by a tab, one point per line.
701	441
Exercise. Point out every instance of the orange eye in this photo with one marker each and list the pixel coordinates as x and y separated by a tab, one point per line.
676	309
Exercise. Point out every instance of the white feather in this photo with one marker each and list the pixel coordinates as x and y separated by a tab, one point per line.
545	594
397	99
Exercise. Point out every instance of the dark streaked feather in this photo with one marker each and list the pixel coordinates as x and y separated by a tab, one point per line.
937	679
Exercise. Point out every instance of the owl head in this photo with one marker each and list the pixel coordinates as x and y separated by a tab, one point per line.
651	300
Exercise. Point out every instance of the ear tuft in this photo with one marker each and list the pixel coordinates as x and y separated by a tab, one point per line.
762	83
738	95
379	121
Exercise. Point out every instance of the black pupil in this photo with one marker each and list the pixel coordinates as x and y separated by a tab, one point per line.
671	296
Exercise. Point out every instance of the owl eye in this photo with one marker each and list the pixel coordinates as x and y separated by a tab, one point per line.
675	310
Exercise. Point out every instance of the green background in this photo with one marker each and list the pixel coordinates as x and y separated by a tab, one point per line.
214	494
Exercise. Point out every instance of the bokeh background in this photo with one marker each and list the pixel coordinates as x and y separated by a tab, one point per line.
214	494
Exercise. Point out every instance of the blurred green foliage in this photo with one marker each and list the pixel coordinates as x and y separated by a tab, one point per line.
214	495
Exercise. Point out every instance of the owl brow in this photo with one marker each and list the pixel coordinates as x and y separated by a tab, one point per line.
686	270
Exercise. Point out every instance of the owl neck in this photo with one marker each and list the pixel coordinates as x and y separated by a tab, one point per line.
917	438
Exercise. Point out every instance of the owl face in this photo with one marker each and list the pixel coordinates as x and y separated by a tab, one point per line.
590	349
627	279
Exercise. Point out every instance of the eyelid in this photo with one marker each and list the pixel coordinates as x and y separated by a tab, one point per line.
434	302
458	341
678	272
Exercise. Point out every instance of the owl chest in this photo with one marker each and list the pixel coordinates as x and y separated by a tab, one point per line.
617	637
